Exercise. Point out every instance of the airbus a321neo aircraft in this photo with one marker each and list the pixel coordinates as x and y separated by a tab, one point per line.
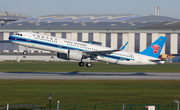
85	52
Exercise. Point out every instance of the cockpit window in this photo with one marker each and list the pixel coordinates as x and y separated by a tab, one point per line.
18	34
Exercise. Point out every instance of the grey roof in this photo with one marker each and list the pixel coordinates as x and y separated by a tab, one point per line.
103	18
109	21
79	17
12	16
164	25
153	19
78	25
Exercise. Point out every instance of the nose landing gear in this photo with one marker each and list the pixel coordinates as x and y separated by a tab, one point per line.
25	51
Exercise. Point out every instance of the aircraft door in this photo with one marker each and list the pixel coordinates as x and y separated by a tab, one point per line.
139	59
60	42
29	35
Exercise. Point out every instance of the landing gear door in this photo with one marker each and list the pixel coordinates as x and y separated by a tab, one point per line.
60	43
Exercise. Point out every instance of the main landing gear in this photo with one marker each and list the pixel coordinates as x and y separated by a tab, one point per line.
88	64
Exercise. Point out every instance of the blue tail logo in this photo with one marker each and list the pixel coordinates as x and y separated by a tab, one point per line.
155	48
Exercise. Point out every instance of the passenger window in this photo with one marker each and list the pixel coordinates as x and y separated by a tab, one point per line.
38	37
51	39
42	38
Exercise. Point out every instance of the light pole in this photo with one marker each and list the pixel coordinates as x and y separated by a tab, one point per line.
177	104
50	97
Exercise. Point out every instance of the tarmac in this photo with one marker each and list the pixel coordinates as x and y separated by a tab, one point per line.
90	75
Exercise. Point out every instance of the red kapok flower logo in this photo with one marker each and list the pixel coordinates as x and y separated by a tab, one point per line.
156	48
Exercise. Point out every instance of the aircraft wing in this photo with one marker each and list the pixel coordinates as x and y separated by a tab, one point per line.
96	53
104	52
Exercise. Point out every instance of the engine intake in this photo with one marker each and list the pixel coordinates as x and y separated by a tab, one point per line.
62	56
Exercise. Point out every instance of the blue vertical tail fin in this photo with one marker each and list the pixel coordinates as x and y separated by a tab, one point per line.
155	48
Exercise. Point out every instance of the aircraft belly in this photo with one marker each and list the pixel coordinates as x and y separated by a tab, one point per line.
115	61
125	62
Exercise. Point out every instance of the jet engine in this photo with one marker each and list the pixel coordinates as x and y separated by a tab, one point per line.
71	55
74	55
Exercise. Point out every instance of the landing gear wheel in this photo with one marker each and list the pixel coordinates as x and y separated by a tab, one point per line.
88	64
81	64
24	52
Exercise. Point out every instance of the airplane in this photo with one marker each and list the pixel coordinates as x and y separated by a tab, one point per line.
85	52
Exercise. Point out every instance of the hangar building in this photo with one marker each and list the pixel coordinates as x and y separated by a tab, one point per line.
111	30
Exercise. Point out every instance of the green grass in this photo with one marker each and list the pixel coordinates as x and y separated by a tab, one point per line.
29	66
89	91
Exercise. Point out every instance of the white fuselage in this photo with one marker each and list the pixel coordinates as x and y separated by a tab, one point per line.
61	45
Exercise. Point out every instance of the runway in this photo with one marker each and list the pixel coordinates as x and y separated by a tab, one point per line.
90	75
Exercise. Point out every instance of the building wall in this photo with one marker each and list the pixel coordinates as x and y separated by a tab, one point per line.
138	41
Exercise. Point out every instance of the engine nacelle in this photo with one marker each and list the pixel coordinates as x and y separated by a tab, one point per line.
62	56
74	55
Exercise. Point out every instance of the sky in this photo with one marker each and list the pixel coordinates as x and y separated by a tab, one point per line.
37	8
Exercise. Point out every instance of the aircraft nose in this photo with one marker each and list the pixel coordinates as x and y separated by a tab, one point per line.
10	37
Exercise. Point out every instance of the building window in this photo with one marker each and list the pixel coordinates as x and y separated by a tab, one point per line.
11	33
137	42
119	40
149	39
1	35
108	39
53	34
64	35
178	43
90	38
168	43
79	37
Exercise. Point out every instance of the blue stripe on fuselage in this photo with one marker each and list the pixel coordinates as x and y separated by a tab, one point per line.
26	40
118	58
